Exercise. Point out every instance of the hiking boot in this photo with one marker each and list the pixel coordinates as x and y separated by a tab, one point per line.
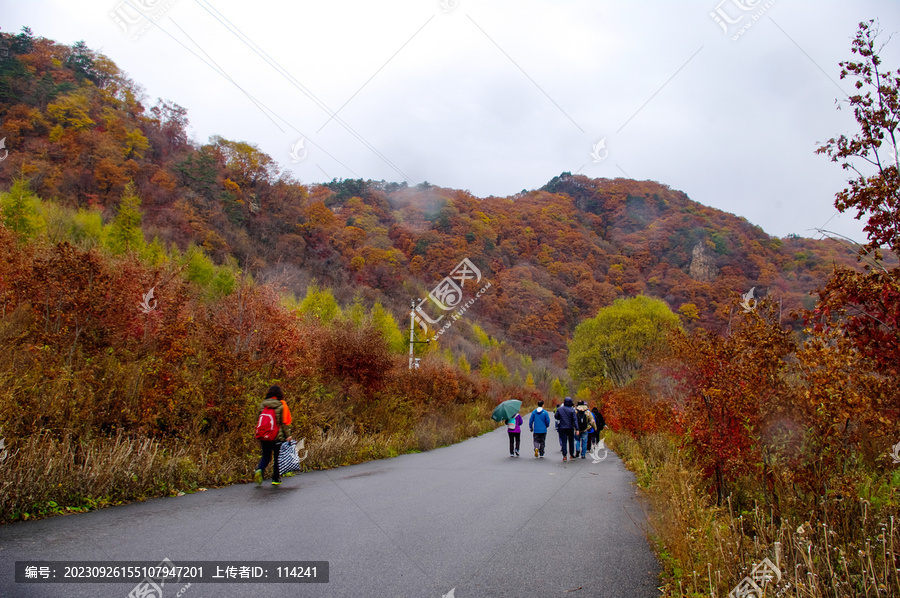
536	453
257	476
276	482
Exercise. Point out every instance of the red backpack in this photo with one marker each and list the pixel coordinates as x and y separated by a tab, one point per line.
267	427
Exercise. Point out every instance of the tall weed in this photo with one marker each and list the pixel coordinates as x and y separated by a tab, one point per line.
850	547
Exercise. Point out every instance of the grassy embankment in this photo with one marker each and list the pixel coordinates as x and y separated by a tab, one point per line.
850	547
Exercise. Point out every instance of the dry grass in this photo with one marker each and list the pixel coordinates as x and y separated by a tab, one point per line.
850	549
452	424
44	475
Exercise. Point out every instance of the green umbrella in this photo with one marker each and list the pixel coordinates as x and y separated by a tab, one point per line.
506	410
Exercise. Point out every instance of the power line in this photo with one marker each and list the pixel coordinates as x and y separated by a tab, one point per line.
259	104
246	40
222	72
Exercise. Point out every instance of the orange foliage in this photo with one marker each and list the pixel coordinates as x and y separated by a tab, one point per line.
555	255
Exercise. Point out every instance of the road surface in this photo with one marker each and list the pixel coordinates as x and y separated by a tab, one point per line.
466	519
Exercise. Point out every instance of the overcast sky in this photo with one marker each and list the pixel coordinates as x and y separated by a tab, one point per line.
725	100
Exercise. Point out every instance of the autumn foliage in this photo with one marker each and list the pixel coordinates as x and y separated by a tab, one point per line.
90	358
78	130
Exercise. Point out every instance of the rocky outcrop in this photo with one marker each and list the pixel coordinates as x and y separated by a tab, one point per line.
703	265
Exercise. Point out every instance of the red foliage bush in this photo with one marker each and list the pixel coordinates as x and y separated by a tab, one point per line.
433	384
637	409
350	354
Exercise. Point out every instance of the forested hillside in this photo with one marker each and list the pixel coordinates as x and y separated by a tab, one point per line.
152	287
78	130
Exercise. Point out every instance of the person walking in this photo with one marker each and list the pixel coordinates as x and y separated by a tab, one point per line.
538	424
566	417
271	431
556	423
584	420
592	430
599	422
513	427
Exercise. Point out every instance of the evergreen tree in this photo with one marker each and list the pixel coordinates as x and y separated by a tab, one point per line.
19	210
320	304
126	234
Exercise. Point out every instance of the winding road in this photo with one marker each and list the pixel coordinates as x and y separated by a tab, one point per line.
459	522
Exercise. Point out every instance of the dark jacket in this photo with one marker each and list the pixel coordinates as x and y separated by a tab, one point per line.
284	430
598	417
566	416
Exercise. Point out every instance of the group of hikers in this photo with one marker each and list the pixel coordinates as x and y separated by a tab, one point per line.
578	428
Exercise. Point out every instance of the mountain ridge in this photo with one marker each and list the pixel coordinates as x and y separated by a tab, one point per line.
78	130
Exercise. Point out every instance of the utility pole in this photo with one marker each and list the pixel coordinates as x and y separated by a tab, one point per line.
412	333
413	360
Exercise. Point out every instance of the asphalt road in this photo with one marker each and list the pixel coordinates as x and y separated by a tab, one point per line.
466	518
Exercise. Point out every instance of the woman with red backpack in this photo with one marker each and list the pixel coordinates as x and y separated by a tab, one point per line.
272	429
